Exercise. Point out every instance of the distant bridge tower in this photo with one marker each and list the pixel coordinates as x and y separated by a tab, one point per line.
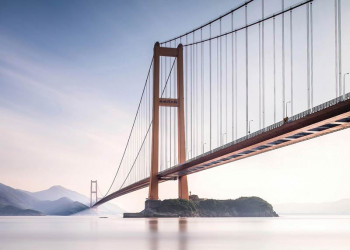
167	102
93	192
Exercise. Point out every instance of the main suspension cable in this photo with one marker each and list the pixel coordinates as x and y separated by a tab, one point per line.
132	128
254	23
166	83
210	22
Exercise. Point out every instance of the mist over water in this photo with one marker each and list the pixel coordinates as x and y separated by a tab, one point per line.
286	232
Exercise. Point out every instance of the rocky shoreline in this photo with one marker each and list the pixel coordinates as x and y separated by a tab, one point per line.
241	207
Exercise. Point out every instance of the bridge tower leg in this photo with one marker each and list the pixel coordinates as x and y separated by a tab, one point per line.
169	102
153	182
183	185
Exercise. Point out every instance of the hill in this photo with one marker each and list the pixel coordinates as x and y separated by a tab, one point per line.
58	192
15	200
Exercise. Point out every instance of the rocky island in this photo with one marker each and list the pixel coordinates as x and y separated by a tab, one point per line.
241	207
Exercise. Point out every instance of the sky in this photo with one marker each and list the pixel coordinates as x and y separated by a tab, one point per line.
71	75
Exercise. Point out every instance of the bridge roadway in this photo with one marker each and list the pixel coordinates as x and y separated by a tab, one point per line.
323	119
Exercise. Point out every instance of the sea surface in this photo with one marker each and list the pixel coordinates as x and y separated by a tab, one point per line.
285	232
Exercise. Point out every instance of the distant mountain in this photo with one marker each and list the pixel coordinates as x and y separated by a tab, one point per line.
58	192
18	200
341	207
15	211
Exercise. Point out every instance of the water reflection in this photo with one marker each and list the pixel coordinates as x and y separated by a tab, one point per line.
153	229
182	235
155	234
76	233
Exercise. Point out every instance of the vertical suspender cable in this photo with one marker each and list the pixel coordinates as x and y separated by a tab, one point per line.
170	111
202	93
259	75
217	93
138	143
146	145
246	67
274	70
336	45
210	89
171	156
291	63
165	110
186	100
166	113
174	113
190	98
339	48
220	120
161	115
196	96
147	135
160	111
145	160
232	74
263	64
142	158
312	58
146	122
150	118
141	133
149	122
195	99
283	66
137	140
192	55
226	90
308	54
145	117
236	86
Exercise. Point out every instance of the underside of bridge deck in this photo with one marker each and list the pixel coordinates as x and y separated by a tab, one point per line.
323	119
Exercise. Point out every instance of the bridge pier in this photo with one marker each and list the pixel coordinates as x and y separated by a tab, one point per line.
167	102
183	188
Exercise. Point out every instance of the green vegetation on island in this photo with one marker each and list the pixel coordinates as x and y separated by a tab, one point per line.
241	207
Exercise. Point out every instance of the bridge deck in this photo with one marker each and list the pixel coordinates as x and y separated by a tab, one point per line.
323	119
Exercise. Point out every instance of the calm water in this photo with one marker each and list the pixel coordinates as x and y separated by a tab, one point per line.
299	232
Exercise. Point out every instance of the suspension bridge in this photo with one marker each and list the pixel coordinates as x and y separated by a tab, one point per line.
252	80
